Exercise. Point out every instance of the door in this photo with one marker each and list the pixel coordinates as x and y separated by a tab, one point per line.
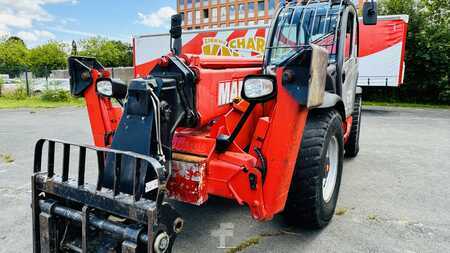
348	58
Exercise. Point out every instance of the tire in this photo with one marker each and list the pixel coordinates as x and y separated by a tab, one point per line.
352	146
307	205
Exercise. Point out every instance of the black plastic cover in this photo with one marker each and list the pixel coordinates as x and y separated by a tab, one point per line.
80	73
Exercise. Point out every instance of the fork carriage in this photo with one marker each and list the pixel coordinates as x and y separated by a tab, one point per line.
69	213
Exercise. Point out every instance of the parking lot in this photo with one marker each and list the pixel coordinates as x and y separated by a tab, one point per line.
395	196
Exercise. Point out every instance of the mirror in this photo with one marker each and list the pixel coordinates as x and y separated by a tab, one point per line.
370	16
112	88
259	88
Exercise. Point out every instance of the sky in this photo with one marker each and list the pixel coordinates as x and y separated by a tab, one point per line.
38	21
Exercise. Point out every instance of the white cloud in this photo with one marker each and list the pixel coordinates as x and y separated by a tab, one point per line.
36	35
87	34
71	31
22	13
157	19
4	33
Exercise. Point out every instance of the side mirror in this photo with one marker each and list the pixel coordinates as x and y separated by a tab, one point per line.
175	34
112	88
370	15
259	88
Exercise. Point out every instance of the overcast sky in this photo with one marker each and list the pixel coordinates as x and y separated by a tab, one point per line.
37	21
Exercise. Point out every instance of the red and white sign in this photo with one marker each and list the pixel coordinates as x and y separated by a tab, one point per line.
381	57
382	52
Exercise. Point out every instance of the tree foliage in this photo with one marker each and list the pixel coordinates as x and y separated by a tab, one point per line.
47	57
13	57
109	52
427	48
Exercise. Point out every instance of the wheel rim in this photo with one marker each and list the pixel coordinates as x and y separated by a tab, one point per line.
331	169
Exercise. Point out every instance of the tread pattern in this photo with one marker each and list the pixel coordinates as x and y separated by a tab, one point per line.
352	146
303	206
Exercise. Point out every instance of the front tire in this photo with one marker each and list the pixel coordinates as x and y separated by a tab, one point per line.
316	181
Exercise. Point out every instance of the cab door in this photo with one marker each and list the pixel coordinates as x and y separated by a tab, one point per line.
348	59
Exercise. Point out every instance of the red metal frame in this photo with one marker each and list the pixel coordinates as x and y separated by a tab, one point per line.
103	116
276	128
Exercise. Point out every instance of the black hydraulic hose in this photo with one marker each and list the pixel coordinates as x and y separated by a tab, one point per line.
263	163
241	122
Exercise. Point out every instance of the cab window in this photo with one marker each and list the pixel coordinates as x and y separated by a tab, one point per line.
349	36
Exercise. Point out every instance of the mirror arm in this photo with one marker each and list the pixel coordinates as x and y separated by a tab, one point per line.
372	10
224	141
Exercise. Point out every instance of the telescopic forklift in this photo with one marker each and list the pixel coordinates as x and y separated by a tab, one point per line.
270	134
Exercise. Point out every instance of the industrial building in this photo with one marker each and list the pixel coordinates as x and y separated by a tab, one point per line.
204	14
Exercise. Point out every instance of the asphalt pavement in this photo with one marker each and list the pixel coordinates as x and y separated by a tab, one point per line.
395	196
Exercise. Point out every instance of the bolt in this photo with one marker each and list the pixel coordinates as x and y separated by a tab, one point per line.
164	243
161	243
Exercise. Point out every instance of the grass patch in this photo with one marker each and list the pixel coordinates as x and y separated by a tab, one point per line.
406	105
7	158
372	217
245	244
56	96
37	102
341	211
255	240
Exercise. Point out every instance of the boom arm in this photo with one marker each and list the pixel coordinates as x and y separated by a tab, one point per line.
103	116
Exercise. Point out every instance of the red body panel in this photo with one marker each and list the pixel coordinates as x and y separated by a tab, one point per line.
103	117
276	128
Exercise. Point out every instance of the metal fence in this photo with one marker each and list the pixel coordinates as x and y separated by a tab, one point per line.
58	79
123	73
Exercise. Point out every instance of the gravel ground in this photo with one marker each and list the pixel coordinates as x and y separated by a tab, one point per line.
395	196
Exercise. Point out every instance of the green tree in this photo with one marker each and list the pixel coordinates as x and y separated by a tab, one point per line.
427	48
109	52
47	57
13	56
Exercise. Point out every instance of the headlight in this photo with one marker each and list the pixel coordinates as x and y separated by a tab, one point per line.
259	88
105	88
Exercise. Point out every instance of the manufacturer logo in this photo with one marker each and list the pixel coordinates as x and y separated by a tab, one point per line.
225	230
228	91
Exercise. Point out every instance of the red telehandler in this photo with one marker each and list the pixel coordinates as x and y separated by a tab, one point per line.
270	134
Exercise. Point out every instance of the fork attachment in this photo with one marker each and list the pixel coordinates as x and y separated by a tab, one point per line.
72	215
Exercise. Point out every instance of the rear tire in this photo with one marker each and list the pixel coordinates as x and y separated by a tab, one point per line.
310	203
352	146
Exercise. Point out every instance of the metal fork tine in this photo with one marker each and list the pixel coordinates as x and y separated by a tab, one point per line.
38	156
66	159
81	166
101	169
117	169
51	159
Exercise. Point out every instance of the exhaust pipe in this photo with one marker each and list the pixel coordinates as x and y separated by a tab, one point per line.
175	34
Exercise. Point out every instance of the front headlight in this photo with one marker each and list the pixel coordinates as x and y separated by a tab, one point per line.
258	87
105	88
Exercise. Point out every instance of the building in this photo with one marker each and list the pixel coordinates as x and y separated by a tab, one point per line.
204	14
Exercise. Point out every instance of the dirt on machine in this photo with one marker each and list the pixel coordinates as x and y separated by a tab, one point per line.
268	133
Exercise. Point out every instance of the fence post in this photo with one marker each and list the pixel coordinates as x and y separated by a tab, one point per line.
46	75
386	90
27	83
